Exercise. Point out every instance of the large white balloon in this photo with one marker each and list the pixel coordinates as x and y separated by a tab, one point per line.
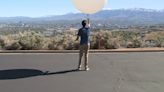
89	6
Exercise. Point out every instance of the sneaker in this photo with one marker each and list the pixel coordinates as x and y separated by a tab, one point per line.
79	69
87	69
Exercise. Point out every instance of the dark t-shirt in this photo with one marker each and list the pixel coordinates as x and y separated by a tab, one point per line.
84	34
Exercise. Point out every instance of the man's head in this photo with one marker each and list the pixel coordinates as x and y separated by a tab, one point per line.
84	23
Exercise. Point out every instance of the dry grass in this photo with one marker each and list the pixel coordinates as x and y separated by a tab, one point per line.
66	40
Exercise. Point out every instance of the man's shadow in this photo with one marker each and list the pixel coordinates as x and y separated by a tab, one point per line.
26	73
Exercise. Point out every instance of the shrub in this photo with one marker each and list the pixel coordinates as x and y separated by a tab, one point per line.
154	39
161	41
135	43
113	43
6	41
70	43
94	41
31	40
53	45
2	43
66	40
151	43
14	46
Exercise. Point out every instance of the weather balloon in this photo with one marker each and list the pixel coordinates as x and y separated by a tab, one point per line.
89	6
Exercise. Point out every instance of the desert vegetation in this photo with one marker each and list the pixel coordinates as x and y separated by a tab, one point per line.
31	40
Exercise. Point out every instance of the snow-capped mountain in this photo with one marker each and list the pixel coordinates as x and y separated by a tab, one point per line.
117	16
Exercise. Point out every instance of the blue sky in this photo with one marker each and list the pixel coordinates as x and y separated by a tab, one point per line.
37	8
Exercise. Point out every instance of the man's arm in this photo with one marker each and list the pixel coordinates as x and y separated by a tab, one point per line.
78	35
77	38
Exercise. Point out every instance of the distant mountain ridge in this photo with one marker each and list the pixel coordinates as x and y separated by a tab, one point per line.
118	16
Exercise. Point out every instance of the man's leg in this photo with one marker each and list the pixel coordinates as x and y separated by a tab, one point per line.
80	57
86	57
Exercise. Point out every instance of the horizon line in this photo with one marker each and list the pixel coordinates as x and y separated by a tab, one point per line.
158	10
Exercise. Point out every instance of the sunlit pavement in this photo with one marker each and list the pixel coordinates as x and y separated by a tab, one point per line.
113	72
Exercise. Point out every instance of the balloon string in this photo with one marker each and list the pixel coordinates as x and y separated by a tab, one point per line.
88	19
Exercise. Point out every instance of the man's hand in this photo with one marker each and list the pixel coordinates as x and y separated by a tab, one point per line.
88	24
77	38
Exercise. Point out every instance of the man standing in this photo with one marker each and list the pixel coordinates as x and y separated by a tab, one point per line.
84	34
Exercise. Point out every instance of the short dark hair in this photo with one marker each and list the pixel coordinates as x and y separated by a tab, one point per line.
84	23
